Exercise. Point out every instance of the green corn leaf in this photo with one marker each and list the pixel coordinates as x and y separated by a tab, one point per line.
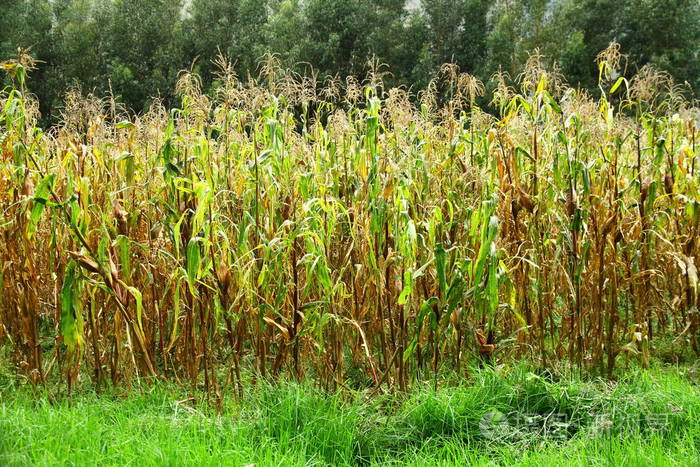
139	304
440	260
193	261
617	84
41	196
425	309
71	315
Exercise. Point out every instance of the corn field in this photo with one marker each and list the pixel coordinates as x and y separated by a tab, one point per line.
346	233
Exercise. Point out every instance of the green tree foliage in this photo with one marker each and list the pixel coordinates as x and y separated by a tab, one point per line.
24	22
27	23
458	32
665	33
143	48
136	48
79	46
339	37
233	27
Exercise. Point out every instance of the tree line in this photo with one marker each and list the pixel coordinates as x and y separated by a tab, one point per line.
134	49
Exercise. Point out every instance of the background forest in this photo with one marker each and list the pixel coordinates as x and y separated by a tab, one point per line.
134	49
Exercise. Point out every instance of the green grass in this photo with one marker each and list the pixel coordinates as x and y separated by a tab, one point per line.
648	418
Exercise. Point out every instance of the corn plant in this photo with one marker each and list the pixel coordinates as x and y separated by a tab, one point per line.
351	235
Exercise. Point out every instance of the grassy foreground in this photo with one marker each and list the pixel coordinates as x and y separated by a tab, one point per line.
512	418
